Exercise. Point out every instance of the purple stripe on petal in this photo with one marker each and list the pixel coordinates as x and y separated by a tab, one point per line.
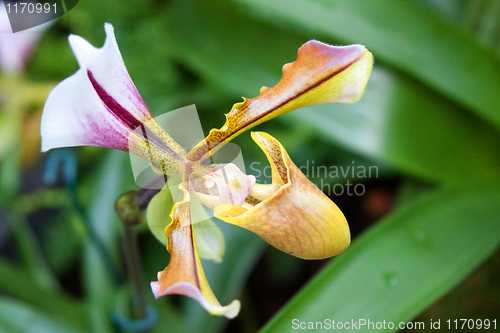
128	118
118	111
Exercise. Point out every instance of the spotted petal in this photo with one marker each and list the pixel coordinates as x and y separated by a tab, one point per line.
184	274
321	74
209	238
100	106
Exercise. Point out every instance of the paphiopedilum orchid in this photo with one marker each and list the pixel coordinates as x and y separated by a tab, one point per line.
100	106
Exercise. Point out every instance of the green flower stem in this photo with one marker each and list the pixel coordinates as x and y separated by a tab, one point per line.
130	207
135	270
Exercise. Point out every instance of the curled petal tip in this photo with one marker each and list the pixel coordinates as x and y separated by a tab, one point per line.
324	73
155	288
232	309
81	49
184	274
108	27
188	289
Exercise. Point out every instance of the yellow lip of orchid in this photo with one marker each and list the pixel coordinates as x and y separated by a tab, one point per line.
292	214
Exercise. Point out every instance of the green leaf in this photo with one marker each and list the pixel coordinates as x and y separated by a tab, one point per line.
234	53
157	214
404	263
99	273
169	318
16	282
31	253
17	317
209	240
407	36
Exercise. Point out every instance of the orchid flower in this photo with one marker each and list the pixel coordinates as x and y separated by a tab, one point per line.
99	105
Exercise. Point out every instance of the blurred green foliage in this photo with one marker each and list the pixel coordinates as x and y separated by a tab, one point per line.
430	118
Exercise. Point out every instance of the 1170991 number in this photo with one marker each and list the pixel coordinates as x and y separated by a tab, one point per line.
29	7
461	324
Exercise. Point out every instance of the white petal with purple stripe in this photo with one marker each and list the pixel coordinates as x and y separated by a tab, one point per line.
97	106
